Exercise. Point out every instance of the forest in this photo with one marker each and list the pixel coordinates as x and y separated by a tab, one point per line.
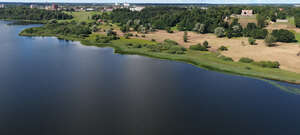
212	20
25	13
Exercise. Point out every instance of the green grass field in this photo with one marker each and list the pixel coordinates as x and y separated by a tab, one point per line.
291	20
298	37
82	16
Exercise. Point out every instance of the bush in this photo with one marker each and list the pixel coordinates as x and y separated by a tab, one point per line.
143	36
137	46
246	60
259	33
251	41
284	36
267	64
226	58
198	47
223	48
297	20
176	50
185	36
126	36
169	30
205	44
220	32
153	40
170	42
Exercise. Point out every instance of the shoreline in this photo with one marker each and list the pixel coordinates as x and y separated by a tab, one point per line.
217	67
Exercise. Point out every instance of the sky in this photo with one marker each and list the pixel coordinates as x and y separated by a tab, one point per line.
161	1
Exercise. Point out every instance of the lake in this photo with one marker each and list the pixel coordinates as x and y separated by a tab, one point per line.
56	87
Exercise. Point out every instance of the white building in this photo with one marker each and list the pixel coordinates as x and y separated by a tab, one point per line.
126	4
247	12
282	20
2	6
90	9
137	8
33	6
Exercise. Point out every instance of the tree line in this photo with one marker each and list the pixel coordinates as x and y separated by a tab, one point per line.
25	13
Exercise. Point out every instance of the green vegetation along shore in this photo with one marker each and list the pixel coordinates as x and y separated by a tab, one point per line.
202	59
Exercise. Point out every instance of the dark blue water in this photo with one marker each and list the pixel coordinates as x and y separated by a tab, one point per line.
54	87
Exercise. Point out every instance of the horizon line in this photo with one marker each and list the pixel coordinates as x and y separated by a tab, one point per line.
155	2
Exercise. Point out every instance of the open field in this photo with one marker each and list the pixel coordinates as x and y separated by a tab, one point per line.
83	16
244	20
284	53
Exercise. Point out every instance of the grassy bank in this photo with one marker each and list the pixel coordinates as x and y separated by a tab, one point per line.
202	59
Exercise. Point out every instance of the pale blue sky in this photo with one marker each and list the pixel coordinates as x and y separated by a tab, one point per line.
162	1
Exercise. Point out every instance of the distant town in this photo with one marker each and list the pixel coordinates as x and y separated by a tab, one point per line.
78	8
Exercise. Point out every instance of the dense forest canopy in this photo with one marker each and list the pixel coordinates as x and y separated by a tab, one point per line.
24	13
186	18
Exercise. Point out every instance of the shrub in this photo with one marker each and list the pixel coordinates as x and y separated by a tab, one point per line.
226	58
251	41
153	40
259	33
198	47
137	46
205	44
220	32
169	30
267	64
246	60
143	36
170	42
176	50
130	34
129	44
126	36
297	19
284	36
185	36
223	48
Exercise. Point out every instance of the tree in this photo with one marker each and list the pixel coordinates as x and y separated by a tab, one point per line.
220	32
200	28
297	18
185	36
270	40
283	35
261	21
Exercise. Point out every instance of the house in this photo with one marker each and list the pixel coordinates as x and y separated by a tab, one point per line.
54	6
136	8
108	9
247	12
89	9
282	20
33	6
126	4
281	9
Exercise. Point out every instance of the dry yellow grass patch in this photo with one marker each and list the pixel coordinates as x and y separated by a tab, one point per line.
284	53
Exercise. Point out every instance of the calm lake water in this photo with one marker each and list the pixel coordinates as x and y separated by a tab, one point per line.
54	87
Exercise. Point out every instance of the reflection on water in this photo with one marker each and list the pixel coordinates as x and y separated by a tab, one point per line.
56	87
